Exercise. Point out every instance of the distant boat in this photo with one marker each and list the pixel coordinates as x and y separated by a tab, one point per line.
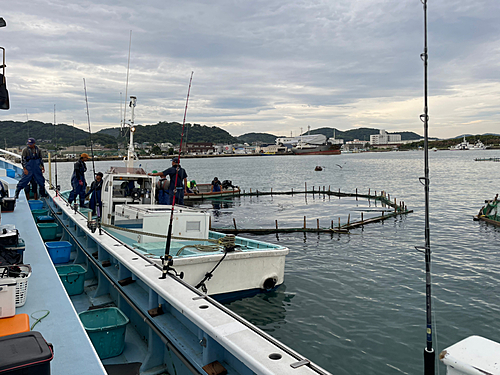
317	146
478	146
465	145
204	191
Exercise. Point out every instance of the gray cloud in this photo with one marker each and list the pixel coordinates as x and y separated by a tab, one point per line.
260	66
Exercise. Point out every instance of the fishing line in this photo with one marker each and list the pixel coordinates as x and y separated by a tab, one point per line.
167	258
126	85
90	130
55	153
97	203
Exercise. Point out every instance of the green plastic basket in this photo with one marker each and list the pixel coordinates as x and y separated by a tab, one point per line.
72	277
106	329
48	231
41	212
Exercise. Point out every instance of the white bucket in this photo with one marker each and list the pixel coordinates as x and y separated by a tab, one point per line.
7	298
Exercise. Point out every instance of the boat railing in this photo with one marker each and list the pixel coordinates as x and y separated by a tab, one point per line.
10	153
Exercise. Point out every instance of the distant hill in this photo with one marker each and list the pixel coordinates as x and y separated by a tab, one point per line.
16	133
171	132
257	137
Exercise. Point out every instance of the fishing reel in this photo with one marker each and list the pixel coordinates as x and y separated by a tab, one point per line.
92	225
168	262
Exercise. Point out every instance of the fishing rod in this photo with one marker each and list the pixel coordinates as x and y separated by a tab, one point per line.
90	130
167	258
429	353
97	203
55	143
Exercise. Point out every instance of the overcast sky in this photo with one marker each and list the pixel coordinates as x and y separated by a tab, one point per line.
259	66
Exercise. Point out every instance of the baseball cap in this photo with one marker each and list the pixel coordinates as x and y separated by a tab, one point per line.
31	141
175	160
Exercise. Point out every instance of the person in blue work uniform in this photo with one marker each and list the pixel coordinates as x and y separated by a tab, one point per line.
78	182
32	187
95	193
32	162
216	185
180	189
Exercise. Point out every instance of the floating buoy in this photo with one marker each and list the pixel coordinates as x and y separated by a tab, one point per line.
318	168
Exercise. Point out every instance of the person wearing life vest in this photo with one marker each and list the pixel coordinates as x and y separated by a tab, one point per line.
95	193
192	187
32	162
78	182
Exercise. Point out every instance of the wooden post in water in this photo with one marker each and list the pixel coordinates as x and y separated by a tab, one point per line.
292	191
328	188
332	225
304	222
317	223
234	222
305	187
339	222
250	190
356	193
276	224
362	217
348	219
271	192
388	197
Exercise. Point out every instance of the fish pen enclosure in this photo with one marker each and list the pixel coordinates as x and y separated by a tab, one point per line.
318	209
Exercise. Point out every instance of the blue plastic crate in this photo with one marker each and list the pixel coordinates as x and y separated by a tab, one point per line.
59	251
11	173
72	277
106	329
35	204
48	231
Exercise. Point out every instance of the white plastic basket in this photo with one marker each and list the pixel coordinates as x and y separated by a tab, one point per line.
21	282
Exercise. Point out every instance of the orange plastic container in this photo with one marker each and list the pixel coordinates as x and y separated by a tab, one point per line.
17	324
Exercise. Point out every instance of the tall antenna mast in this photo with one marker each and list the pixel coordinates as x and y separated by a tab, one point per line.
429	353
126	85
131	151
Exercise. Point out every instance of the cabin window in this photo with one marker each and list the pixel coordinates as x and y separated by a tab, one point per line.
193	226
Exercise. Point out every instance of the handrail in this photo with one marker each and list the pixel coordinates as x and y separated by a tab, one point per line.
10	153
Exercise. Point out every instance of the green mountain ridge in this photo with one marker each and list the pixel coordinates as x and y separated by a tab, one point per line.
15	133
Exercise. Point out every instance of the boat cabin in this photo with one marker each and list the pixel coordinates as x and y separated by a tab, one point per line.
123	186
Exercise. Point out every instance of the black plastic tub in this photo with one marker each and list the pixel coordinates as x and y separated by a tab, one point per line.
25	353
8	204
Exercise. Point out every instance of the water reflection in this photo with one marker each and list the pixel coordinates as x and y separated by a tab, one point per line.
266	310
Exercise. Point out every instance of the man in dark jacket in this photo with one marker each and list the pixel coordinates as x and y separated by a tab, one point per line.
95	193
180	187
32	162
78	182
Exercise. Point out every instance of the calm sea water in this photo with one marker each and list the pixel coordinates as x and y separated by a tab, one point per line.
355	303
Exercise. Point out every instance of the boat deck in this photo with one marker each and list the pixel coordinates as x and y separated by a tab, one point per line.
73	351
